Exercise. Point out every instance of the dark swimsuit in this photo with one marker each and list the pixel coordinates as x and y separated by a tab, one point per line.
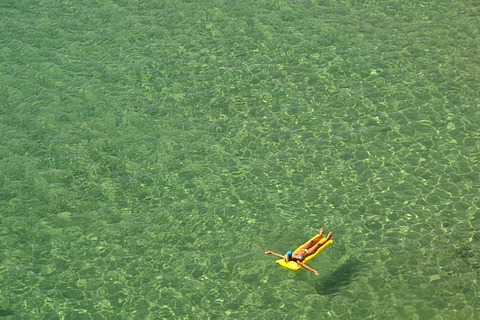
291	258
301	255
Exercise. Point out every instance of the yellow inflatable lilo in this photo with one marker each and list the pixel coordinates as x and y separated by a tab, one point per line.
296	260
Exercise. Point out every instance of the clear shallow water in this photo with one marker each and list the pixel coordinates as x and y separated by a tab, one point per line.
151	152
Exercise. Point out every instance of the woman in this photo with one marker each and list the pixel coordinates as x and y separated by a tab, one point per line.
307	249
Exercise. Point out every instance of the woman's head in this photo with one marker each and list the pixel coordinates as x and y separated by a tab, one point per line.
288	256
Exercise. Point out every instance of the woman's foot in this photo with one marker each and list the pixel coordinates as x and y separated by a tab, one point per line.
329	236
320	233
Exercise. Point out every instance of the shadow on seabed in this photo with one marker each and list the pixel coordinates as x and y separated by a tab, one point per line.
340	278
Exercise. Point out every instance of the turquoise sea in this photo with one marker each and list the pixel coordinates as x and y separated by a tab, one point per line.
151	151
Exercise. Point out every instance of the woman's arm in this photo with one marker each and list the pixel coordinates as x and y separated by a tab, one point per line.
275	254
308	268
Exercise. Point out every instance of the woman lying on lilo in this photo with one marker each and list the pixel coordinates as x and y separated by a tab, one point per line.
307	249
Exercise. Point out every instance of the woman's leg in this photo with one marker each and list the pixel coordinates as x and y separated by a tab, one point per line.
319	244
314	241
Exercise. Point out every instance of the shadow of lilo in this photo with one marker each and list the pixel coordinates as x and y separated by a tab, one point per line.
340	278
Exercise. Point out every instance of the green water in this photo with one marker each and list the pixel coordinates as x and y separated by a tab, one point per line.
151	151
